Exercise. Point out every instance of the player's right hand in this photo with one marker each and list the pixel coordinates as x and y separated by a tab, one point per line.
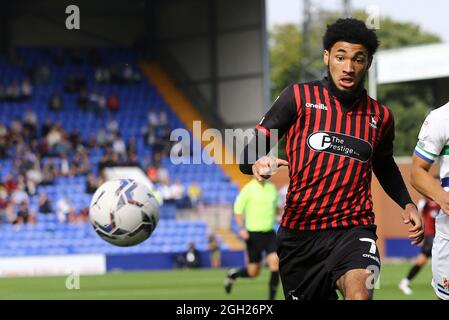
266	166
411	216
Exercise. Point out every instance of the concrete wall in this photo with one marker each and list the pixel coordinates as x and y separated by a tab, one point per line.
220	45
102	23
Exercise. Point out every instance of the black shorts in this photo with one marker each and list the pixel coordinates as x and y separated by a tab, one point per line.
426	248
259	242
311	262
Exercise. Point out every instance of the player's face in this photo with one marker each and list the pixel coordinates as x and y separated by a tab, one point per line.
347	64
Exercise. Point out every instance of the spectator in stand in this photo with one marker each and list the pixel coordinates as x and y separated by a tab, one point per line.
4	203
133	160
131	148
153	119
80	163
30	121
194	191
112	125
102	138
26	89
64	169
12	92
93	101
55	104
92	183
101	76
113	103
152	173
178	194
163	119
118	145
76	140
214	250
128	74
48	174
101	105
23	215
10	184
64	209
45	204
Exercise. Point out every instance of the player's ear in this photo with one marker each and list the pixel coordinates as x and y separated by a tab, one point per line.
370	60
326	57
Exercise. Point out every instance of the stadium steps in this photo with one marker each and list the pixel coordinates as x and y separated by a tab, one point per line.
230	238
187	113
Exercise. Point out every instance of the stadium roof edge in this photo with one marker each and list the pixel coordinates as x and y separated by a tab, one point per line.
413	63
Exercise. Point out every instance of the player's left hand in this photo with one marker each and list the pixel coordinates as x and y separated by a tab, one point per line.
411	216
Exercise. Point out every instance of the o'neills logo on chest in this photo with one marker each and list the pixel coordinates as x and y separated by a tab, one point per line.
316	106
340	144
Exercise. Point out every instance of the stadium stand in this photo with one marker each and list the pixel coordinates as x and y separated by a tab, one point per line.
45	234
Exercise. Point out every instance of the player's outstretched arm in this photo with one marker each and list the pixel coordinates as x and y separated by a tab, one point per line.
426	184
264	167
390	178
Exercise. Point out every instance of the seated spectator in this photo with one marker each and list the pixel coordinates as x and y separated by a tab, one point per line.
194	191
112	125
45	205
113	103
26	88
152	173
48	174
92	183
118	145
190	259
4	203
133	160
64	209
23	213
10	184
55	103
214	250
12	92
30	121
178	194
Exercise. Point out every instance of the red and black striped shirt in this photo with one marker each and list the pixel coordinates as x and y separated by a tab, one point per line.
330	148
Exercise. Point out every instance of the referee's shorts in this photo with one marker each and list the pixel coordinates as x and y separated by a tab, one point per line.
258	243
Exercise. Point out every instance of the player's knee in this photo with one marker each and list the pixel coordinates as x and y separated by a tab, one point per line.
358	294
253	272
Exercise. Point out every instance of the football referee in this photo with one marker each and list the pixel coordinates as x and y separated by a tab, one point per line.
256	211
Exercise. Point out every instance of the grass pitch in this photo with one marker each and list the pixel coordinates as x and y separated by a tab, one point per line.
205	284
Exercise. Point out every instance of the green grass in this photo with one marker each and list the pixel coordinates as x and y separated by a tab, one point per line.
186	285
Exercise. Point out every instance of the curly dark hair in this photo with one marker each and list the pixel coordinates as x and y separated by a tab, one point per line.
353	31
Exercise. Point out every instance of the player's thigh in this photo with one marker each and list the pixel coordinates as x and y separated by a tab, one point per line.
440	267
355	261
